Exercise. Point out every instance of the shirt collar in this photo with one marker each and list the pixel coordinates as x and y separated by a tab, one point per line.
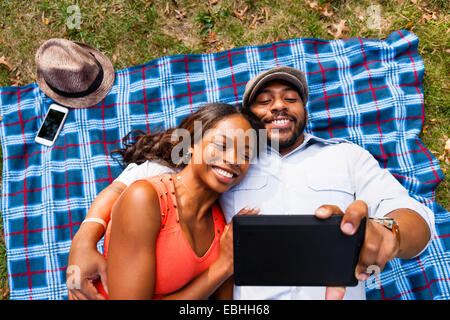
307	140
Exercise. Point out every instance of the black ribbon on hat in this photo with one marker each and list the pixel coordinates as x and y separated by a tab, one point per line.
94	85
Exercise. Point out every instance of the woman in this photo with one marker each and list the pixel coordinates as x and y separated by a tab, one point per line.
168	236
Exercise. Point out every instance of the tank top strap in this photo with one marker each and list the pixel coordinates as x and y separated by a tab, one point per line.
163	185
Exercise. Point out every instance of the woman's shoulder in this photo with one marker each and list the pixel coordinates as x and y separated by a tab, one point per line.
140	195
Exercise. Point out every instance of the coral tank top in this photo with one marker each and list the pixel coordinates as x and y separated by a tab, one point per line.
177	264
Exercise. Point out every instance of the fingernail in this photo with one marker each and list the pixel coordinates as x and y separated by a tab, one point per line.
321	212
347	228
362	276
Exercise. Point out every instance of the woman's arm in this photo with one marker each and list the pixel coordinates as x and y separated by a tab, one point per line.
131	262
83	251
91	233
225	291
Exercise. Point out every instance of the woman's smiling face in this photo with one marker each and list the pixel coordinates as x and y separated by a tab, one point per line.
222	158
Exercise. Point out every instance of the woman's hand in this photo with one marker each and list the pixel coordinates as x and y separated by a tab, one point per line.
85	265
226	241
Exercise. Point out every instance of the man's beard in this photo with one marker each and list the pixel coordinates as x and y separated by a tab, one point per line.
293	138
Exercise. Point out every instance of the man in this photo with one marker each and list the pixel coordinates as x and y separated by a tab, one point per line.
303	175
312	175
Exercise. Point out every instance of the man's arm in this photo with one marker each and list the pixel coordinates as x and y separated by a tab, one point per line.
414	232
386	197
379	194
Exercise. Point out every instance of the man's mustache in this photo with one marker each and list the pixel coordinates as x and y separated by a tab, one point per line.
280	114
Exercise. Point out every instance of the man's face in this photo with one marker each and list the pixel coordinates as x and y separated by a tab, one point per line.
280	108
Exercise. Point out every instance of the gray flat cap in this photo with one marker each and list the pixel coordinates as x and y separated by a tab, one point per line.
294	76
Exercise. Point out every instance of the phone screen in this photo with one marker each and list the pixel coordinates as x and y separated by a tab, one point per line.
51	124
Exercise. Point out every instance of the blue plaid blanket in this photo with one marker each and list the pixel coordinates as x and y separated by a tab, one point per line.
368	91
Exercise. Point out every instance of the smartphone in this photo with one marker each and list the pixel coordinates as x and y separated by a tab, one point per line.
52	124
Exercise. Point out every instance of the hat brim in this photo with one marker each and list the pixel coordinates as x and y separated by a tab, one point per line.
90	99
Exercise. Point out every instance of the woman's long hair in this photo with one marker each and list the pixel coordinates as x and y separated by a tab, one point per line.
158	146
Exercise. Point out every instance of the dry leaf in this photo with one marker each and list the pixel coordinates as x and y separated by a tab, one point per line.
212	38
312	4
167	9
324	11
339	29
266	14
447	146
44	19
5	63
180	14
240	13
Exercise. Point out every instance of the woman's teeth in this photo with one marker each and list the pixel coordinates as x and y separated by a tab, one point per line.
223	172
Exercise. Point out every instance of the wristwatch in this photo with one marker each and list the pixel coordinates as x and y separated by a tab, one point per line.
390	224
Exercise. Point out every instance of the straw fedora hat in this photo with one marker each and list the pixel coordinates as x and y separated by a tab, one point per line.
73	74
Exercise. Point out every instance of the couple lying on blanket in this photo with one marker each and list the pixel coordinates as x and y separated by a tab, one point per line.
170	237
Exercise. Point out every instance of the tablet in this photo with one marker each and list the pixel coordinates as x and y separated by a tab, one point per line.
294	250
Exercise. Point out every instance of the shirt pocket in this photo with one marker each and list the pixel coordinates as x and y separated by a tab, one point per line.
249	192
334	189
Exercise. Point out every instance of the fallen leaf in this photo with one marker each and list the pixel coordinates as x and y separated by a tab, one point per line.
312	4
44	19
4	62
180	14
447	146
240	14
167	9
339	28
324	11
266	13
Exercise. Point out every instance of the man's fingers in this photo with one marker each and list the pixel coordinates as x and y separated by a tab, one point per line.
334	293
353	216
327	210
369	253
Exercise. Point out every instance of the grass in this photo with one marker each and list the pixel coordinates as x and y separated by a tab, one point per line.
134	32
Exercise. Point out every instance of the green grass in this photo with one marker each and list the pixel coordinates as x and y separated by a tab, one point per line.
134	32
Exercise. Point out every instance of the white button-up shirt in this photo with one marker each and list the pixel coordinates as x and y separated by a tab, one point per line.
317	172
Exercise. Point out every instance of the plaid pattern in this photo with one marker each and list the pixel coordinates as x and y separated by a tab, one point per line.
368	91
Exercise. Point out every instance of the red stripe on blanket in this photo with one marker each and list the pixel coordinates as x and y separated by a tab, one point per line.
25	220
324	88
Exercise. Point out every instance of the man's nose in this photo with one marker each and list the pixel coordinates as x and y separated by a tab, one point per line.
278	104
